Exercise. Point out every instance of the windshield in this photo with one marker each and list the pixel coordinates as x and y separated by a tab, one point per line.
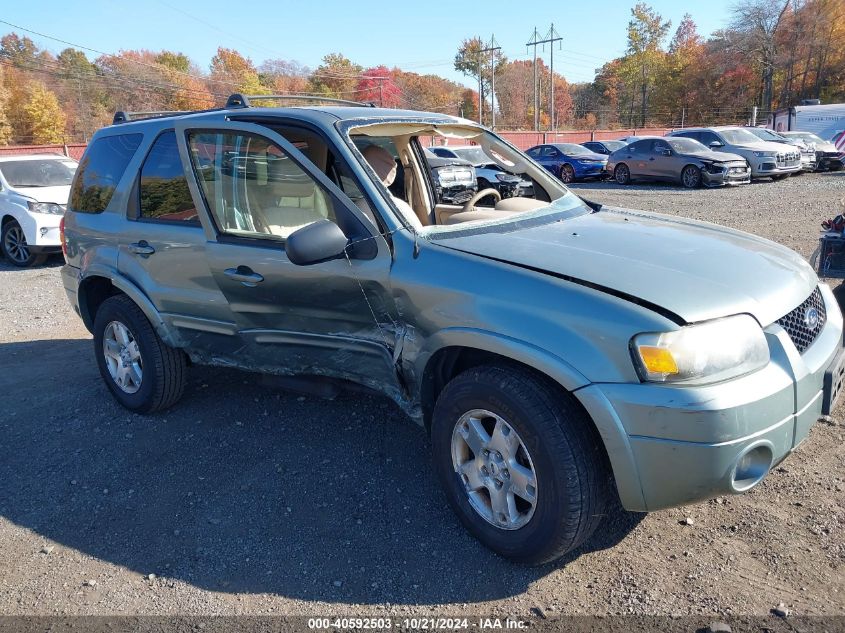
766	135
804	136
442	205
613	145
475	155
38	173
571	148
738	136
684	145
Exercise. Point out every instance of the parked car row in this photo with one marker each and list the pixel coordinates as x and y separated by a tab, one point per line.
692	157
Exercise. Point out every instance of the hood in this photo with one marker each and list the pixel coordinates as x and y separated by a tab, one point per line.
763	146
56	195
695	270
718	157
587	155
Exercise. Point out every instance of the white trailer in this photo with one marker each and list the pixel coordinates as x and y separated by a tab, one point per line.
822	120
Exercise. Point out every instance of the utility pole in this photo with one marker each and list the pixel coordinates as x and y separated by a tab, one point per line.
552	37
533	42
492	48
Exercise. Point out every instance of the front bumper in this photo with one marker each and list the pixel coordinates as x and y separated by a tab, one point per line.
590	171
688	444
727	176
765	167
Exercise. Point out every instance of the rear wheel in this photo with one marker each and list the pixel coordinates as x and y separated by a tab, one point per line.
691	177
520	462
15	247
140	370
567	173
622	174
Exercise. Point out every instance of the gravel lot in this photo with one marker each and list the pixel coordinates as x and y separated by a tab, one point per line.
247	500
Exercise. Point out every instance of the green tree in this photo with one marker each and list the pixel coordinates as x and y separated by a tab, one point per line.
471	60
645	57
336	77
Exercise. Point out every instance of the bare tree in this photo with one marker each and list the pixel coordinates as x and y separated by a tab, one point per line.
759	20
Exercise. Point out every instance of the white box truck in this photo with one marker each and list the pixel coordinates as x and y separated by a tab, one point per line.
822	120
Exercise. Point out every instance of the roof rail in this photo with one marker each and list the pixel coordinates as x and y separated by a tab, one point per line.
238	100
123	117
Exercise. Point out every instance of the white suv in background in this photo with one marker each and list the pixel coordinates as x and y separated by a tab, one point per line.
33	195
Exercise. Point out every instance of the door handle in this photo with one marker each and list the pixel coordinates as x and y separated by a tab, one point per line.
245	275
142	248
651	159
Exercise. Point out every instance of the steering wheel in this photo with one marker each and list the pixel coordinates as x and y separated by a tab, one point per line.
470	204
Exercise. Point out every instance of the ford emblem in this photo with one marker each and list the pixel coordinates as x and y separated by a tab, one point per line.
811	318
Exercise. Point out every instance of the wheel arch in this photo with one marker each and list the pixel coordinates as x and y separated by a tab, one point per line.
96	287
448	361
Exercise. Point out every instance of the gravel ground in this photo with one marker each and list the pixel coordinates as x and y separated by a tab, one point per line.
247	500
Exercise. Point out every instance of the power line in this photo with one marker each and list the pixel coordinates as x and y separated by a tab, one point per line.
491	48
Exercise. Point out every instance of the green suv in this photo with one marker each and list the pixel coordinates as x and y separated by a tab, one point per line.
559	353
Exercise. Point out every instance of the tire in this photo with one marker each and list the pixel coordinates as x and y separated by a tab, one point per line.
162	369
556	441
691	177
567	173
15	248
622	174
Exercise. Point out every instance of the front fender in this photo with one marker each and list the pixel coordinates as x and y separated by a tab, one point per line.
515	349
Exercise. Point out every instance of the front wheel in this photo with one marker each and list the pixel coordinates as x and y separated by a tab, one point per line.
520	462
140	370
567	173
622	174
691	177
15	247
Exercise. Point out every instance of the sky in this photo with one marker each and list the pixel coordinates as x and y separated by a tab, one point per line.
419	36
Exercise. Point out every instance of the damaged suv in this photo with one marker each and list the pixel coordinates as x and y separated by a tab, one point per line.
560	353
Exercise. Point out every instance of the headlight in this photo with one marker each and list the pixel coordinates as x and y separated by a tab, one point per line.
501	177
702	353
46	207
446	176
765	154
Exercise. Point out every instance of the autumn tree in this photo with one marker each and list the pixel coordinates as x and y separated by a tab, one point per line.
377	85
232	72
284	76
5	128
38	117
336	77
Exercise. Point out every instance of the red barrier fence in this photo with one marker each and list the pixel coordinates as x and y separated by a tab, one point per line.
523	140
74	150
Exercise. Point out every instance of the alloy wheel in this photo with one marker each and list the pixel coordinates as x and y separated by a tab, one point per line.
567	174
123	357
691	177
622	174
496	469
15	245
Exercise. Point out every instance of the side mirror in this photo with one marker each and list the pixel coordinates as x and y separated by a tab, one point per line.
716	144
317	242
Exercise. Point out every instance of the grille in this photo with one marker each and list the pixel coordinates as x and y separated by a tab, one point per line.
795	322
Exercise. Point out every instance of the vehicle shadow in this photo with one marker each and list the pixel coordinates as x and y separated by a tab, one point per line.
53	261
240	488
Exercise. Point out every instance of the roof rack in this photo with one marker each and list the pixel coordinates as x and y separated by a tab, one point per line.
237	100
123	117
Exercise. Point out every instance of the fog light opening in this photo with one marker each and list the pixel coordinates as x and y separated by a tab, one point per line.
751	467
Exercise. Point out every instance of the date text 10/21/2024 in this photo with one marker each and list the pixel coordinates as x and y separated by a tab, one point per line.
417	624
